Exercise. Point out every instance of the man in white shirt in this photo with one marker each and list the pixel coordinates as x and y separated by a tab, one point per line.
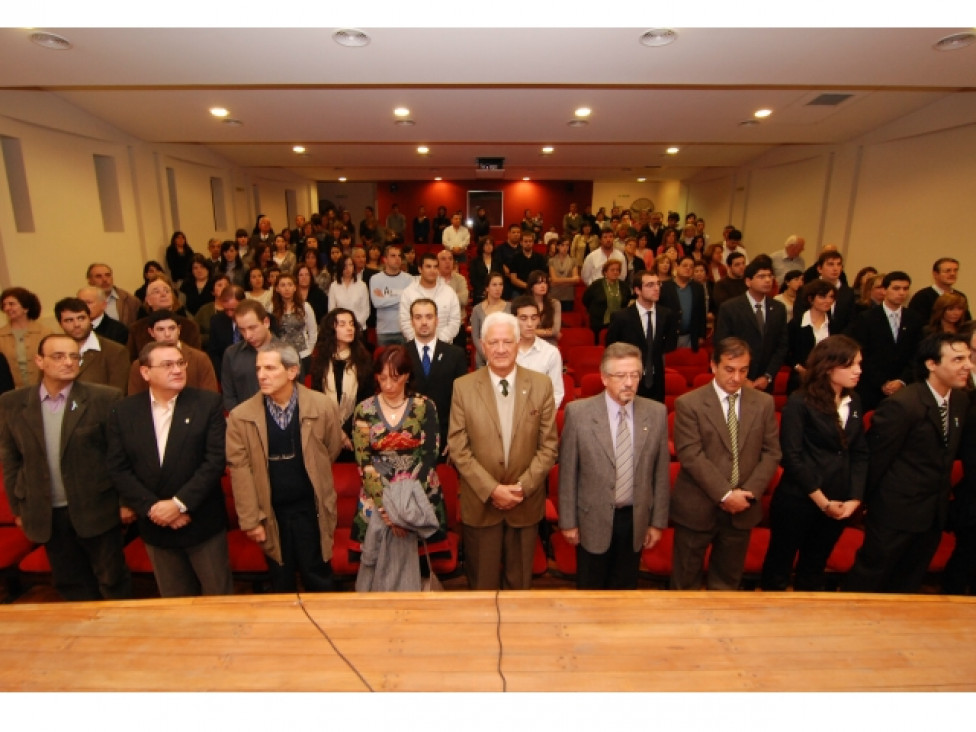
535	353
733	243
430	285
788	258
593	264
456	238
385	290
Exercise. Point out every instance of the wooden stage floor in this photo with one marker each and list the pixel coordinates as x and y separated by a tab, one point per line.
550	641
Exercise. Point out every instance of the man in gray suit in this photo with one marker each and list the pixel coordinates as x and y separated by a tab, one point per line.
619	434
727	441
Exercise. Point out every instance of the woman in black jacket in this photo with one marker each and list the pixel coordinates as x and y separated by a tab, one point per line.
825	465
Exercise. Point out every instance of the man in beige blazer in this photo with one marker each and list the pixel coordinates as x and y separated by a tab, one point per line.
503	441
716	499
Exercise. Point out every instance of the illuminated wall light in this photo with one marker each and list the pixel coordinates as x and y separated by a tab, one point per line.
583	112
342	179
763	113
401	112
438	178
298	148
672	151
423	150
548	150
526	178
642	180
219	112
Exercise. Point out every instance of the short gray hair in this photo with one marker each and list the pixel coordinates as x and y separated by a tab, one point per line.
289	356
618	350
500	319
98	292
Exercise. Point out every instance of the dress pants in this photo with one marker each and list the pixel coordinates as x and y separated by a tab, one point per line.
959	577
499	556
203	568
301	552
891	560
617	568
798	526
90	568
729	546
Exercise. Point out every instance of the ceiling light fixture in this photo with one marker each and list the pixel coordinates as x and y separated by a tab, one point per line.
401	112
583	112
642	180
342	179
437	177
423	150
351	38
955	41
657	37
548	150
299	149
672	150
762	113
51	41
219	112
526	178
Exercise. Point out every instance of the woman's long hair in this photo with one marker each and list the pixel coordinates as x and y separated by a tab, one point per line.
836	351
327	345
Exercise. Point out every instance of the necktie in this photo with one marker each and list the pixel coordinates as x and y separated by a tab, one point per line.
649	355
944	414
733	422
237	334
504	385
624	459
425	361
895	325
760	317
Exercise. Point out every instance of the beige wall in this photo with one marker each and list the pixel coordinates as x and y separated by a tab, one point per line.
665	194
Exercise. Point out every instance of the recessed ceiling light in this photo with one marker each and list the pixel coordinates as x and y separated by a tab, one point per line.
526	178
219	112
577	123
423	150
547	150
657	37
231	122
762	113
342	179
583	112
298	148
672	151
437	177
404	123
955	41
401	112
642	180
51	41
351	38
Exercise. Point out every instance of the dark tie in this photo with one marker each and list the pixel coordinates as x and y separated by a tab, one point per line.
944	414
504	385
237	333
649	355
425	361
733	422
760	318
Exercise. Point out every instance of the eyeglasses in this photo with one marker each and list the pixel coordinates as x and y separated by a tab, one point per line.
61	357
628	376
170	365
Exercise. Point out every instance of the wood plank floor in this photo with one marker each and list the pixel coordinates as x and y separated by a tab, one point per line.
551	640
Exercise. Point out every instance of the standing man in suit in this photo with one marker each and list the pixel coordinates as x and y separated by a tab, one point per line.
102	361
945	272
163	328
889	337
830	267
646	317
758	320
436	365
686	298
238	372
119	304
53	440
727	442
913	440
621	434
166	458
102	324
503	442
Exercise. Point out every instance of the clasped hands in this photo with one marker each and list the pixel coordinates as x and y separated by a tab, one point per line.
167	513
738	501
507	497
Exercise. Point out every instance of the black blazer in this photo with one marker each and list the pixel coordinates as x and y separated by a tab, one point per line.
447	363
801	342
814	455
113	330
883	359
595	301
923	301
908	478
6	378
191	468
626	327
844	310
669	298
478	274
737	318
221	338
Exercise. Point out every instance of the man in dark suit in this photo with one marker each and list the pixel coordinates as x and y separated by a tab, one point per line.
913	440
166	458
435	364
830	267
686	299
102	361
102	324
53	439
716	496
733	284
945	271
238	371
632	325
887	364
223	331
758	320
609	522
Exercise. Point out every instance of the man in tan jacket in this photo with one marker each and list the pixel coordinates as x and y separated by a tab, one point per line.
280	446
503	440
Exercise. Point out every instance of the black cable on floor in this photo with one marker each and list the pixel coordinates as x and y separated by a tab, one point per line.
498	633
334	647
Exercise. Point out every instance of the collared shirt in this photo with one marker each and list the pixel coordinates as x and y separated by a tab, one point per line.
91	344
723	398
111	304
282	415
889	314
496	381
54	402
818	333
546	359
844	410
430	345
753	302
648	332
162	414
613	416
939	399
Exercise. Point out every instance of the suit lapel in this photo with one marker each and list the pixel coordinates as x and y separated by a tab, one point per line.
713	413
74	409
488	397
601	428
639	327
522	390
642	430
32	415
178	429
147	437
